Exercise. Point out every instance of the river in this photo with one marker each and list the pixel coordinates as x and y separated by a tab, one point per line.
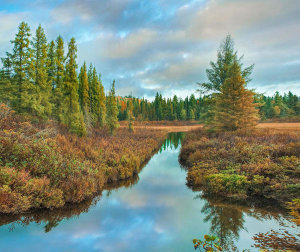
154	211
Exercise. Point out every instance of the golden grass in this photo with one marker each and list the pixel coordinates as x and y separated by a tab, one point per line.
280	126
188	126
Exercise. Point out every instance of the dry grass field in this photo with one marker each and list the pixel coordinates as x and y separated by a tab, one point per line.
179	126
169	126
280	126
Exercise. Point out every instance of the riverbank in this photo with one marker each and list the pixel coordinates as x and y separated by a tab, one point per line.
43	166
262	163
154	203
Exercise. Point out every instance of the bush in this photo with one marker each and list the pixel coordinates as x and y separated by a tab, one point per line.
261	162
44	166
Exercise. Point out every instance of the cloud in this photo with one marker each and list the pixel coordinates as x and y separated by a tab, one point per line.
8	23
130	45
165	46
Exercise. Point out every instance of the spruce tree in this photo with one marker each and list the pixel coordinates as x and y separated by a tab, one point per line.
220	70
112	110
102	100
235	108
130	117
71	114
57	93
51	66
22	68
83	90
97	97
41	105
6	87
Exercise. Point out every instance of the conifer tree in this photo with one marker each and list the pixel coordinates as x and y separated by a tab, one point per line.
71	114
102	100
220	70
97	97
130	117
51	67
6	87
83	90
41	105
112	110
57	93
234	104
22	68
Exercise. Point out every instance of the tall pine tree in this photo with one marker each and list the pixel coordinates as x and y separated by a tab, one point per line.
6	87
41	105
112	110
57	93
97	97
71	114
23	68
130	117
51	64
102	100
83	90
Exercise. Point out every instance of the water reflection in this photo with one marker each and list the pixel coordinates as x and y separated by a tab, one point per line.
173	141
153	211
227	217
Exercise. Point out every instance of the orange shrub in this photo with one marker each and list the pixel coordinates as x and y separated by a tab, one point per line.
43	166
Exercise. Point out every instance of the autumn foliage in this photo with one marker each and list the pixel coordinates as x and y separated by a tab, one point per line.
242	164
44	166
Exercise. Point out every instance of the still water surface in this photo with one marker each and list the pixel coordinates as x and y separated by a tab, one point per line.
154	211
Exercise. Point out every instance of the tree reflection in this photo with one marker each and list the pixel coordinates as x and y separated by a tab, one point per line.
226	222
227	217
52	218
172	141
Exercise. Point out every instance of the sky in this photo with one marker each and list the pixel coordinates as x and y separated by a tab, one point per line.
165	46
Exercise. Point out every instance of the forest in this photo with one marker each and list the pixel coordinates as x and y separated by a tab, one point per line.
40	79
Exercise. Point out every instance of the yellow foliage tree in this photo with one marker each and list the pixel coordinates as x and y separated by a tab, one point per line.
234	104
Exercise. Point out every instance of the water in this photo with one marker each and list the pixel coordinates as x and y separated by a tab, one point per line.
154	211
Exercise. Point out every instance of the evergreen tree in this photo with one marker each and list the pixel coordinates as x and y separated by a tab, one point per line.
234	105
158	107
6	87
22	68
175	107
83	90
51	67
130	116
71	114
112	111
192	107
57	93
181	112
41	105
97	98
220	70
102	100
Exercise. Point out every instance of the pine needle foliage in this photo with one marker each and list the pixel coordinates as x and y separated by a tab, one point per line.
71	114
235	108
112	111
220	70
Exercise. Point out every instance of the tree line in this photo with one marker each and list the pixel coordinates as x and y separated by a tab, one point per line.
40	79
192	108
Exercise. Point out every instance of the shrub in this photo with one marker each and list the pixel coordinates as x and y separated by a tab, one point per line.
262	162
44	166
